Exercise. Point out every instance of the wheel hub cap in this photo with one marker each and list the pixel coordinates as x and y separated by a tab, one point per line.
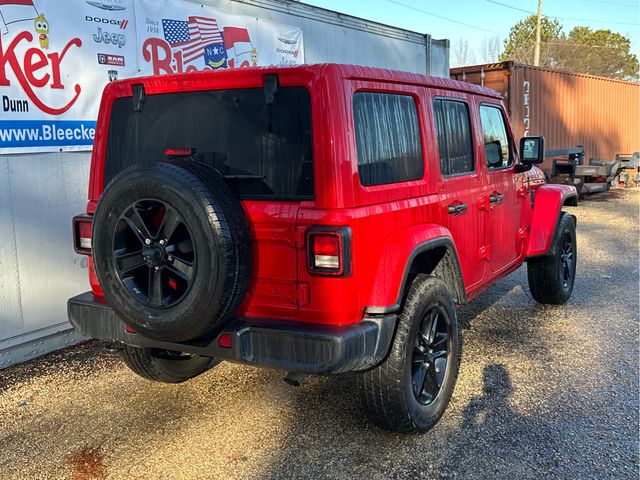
154	253
566	261
430	353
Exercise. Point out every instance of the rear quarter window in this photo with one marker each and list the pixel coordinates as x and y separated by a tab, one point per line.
387	138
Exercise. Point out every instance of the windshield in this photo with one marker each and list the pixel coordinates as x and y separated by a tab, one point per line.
262	150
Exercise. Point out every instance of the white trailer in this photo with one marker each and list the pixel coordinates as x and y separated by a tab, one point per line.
40	193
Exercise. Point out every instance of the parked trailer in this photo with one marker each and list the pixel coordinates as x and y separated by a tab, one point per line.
567	166
629	169
568	109
40	193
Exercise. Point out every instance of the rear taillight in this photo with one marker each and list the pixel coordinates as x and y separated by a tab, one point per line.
329	251
82	225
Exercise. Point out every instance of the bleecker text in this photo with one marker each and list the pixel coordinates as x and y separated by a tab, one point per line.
36	70
159	53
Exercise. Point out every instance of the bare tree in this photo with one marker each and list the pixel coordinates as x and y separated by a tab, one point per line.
490	49
462	53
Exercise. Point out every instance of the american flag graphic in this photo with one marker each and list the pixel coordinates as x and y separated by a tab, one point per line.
191	36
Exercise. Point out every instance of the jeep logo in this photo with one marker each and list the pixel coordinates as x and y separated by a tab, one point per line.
107	21
110	38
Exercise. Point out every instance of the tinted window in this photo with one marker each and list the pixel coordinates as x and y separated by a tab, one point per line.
496	141
262	150
453	129
387	138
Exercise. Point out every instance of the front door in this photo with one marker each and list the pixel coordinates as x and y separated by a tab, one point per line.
462	187
503	199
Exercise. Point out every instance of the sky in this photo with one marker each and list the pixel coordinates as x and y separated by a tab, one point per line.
476	20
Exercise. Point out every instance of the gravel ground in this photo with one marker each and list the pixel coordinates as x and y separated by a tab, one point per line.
542	392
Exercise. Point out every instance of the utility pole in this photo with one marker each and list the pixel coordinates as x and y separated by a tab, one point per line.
536	54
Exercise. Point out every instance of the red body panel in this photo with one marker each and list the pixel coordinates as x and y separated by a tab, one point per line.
387	222
273	290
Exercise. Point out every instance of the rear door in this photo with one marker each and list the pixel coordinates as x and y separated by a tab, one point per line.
505	203
461	185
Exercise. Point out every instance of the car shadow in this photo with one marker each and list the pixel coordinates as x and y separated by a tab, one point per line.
489	424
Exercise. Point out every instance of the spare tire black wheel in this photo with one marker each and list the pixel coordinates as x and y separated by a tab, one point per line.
172	249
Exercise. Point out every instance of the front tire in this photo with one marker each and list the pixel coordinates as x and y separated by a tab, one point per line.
164	365
410	391
551	277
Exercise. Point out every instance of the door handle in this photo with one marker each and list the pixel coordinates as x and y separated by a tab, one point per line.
457	208
496	197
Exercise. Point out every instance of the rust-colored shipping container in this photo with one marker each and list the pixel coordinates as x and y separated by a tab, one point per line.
568	109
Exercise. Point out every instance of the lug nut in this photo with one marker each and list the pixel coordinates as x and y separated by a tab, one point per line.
147	241
170	258
162	242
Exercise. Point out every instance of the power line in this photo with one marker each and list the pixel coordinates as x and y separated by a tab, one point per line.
577	44
410	7
511	7
634	5
601	22
588	20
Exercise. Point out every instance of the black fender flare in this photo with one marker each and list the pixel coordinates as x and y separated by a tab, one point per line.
455	283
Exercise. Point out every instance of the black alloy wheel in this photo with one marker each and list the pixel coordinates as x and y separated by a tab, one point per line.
552	276
429	361
566	260
154	253
410	390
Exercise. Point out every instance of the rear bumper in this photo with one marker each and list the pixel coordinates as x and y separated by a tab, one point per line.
292	346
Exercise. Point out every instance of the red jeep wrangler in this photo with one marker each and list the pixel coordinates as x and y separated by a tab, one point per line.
319	219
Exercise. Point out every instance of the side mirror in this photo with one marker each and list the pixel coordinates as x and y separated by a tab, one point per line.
531	150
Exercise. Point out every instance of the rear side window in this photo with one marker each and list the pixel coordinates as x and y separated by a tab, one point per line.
262	150
496	141
387	138
455	144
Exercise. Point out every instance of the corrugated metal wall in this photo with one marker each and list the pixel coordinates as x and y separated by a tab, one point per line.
39	194
568	109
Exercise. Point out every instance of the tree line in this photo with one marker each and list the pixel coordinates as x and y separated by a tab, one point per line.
581	50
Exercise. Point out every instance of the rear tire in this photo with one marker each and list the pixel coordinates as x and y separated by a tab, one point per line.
395	395
163	365
551	278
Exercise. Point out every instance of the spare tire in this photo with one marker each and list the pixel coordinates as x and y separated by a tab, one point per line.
171	249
